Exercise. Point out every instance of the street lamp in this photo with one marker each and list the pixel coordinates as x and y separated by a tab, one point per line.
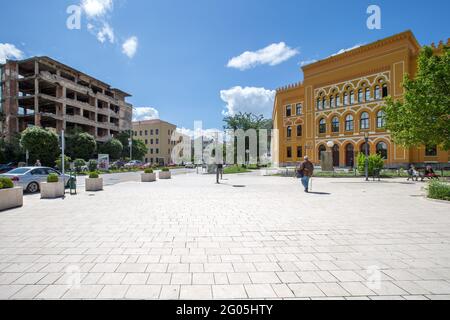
366	139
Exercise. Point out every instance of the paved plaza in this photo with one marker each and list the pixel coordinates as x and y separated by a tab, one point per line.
252	237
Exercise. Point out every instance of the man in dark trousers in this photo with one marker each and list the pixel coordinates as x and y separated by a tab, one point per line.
306	171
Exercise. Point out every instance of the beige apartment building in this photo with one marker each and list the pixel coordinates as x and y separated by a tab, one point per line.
46	93
157	136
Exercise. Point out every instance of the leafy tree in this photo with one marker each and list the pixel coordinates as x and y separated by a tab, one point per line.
42	145
113	147
79	164
81	145
423	118
11	151
246	121
139	147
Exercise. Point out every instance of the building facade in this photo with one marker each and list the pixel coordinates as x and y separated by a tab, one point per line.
341	100
46	93
158	137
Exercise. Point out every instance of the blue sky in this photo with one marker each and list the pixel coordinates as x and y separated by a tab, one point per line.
178	51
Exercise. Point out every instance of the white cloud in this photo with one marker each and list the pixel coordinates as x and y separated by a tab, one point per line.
272	55
347	49
96	8
130	46
249	99
8	51
145	113
306	62
106	33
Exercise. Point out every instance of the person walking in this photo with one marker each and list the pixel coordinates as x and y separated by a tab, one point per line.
305	172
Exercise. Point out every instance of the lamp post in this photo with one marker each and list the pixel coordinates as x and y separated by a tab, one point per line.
366	139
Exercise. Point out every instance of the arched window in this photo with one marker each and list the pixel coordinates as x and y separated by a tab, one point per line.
352	97
350	156
377	92
338	100
381	119
367	94
299	109
349	124
322	126
382	150
318	104
322	149
335	125
345	98
289	132
299	131
360	95
385	90
331	102
365	125
324	103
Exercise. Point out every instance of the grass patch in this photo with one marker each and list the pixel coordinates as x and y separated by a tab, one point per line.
235	169
439	190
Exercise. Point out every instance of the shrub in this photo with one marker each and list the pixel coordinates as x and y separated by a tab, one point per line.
6	183
66	163
148	171
94	175
79	164
165	170
439	190
376	162
92	165
52	178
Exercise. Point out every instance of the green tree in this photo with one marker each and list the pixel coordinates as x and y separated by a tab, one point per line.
42	145
376	162
139	147
246	121
11	151
113	147
423	117
81	145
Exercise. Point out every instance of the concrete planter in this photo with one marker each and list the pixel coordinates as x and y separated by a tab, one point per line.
11	198
93	185
52	190
148	177
165	175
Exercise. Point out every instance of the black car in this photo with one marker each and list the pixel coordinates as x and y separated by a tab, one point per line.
7	167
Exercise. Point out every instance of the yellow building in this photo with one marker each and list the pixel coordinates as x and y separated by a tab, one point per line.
341	100
157	136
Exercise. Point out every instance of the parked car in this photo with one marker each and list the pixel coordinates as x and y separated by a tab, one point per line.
30	178
133	164
189	165
7	167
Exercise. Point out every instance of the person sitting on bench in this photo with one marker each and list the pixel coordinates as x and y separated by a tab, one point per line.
413	173
430	174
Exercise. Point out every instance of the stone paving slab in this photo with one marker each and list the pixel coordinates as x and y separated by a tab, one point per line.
188	238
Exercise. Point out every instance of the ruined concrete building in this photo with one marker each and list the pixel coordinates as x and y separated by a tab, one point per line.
43	92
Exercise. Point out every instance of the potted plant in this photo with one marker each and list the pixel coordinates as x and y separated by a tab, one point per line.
53	188
94	182
165	174
10	196
148	176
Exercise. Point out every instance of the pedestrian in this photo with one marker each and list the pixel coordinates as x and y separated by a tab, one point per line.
220	169
38	163
305	171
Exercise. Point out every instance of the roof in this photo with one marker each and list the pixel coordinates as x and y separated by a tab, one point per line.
403	35
153	121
